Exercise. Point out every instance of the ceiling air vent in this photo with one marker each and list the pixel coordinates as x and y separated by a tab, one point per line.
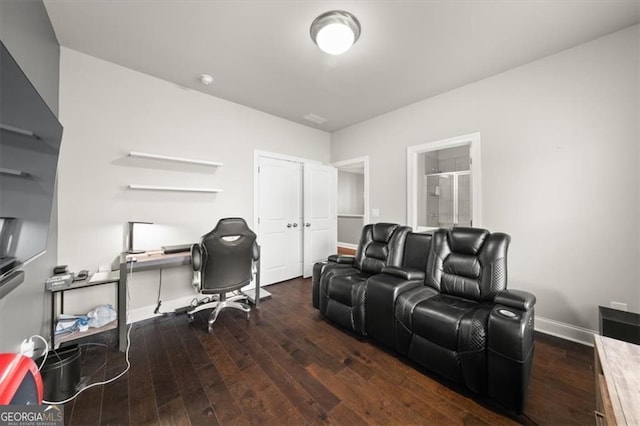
315	118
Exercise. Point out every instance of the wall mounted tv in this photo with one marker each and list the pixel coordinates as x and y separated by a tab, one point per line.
30	137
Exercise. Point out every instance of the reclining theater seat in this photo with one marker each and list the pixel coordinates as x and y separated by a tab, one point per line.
463	323
339	284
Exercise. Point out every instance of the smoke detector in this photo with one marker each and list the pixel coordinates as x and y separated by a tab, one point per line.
206	79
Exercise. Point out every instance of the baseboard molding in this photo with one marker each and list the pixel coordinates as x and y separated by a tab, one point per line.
146	312
348	245
565	331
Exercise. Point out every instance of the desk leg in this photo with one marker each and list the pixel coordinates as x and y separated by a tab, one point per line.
122	308
53	320
257	302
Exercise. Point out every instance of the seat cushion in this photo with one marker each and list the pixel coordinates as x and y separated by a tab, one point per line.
439	319
343	287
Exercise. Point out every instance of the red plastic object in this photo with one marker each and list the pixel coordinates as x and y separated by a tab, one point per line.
20	380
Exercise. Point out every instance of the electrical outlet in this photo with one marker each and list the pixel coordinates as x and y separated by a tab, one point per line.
26	347
619	306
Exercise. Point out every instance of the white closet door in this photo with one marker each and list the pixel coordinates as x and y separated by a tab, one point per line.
280	219
320	214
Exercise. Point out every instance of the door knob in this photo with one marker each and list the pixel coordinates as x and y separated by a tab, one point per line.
288	225
295	225
307	224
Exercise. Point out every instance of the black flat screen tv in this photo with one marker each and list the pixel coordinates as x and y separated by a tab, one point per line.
30	138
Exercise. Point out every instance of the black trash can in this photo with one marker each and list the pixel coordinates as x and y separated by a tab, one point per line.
61	373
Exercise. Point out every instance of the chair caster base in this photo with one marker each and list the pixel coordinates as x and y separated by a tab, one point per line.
190	318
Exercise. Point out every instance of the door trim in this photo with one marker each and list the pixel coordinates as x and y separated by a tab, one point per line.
473	140
365	161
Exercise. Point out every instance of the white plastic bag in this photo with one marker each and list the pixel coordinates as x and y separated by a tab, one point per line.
101	316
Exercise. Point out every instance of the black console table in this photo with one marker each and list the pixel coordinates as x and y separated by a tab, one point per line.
620	325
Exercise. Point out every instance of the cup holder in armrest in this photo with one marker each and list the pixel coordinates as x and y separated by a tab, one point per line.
507	313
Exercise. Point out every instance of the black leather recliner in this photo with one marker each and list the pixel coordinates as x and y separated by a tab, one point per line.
339	284
463	323
447	308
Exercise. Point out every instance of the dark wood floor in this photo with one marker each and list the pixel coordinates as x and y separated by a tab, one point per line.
289	366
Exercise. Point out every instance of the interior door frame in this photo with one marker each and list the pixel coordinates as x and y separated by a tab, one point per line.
365	161
471	139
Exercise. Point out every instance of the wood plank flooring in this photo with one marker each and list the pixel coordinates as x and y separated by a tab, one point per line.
287	365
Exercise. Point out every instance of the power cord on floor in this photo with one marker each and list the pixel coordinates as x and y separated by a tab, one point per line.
104	382
157	310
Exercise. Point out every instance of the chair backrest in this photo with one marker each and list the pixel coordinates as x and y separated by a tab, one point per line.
381	244
227	255
468	262
416	251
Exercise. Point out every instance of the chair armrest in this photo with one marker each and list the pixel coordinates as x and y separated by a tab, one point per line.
196	257
516	299
407	274
342	259
255	253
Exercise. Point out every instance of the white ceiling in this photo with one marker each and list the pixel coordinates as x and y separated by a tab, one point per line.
260	53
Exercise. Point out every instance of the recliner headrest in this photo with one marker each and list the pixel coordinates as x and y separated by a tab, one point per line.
467	240
382	232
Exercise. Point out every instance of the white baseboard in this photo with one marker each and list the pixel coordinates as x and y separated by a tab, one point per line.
146	312
565	331
348	245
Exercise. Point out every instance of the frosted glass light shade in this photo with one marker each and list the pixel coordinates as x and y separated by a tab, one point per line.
335	32
335	39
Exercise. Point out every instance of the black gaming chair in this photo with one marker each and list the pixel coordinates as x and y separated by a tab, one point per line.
226	259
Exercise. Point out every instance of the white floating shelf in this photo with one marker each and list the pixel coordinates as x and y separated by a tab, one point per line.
176	159
350	215
13	172
19	131
173	188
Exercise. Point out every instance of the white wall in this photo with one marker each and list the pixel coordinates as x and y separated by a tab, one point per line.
560	164
107	111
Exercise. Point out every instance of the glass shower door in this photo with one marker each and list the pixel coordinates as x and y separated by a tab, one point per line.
448	199
463	199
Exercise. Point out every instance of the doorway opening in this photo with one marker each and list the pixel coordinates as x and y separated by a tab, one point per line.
352	202
443	180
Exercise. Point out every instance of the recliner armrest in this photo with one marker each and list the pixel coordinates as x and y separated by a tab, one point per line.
407	274
516	299
342	259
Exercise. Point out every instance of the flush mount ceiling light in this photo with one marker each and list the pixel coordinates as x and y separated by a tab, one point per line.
335	31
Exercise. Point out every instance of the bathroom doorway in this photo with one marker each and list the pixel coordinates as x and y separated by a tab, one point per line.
443	180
